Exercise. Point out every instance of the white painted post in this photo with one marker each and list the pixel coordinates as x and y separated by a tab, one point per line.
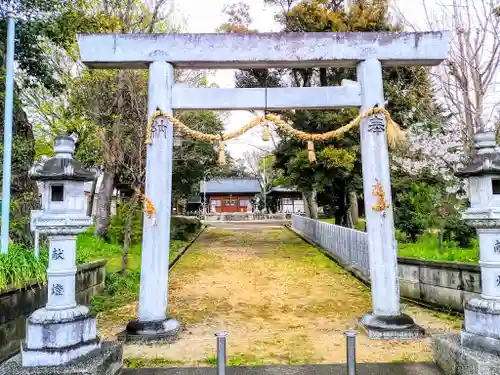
380	224
153	294
37	244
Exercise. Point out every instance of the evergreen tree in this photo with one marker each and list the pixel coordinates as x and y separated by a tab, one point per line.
337	173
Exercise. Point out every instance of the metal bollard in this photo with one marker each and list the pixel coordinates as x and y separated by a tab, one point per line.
351	352
221	353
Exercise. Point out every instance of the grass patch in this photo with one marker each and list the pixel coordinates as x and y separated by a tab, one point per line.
120	289
211	360
427	247
155	362
406	358
242	359
176	247
330	220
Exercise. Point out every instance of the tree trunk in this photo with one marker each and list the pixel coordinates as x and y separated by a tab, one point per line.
104	204
353	208
127	236
310	206
90	206
342	214
441	235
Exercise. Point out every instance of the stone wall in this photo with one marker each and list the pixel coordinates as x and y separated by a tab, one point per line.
17	304
443	284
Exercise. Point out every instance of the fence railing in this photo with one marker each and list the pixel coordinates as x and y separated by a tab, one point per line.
350	245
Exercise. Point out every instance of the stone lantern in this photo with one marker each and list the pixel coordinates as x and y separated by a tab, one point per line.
482	315
62	330
477	350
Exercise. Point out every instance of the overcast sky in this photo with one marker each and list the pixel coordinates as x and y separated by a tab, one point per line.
205	16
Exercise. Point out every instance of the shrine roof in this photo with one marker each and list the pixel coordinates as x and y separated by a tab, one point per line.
231	185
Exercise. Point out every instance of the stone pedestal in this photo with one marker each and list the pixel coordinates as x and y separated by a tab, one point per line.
107	360
401	327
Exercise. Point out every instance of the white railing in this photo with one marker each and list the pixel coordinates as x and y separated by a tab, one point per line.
347	244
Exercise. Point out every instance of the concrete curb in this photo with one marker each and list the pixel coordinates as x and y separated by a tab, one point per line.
181	253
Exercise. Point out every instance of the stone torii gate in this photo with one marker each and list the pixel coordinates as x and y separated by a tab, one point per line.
369	52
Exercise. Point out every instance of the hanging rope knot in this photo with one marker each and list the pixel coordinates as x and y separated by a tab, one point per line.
149	129
267	134
222	153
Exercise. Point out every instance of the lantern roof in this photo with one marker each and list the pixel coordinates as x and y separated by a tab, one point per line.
62	166
486	160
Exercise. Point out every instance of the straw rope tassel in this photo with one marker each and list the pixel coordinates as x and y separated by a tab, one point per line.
267	135
310	151
222	153
149	207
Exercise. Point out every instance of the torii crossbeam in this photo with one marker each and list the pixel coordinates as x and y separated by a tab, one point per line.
368	52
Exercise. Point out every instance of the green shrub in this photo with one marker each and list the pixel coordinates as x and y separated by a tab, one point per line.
182	228
427	247
457	230
120	289
20	266
401	237
116	229
90	247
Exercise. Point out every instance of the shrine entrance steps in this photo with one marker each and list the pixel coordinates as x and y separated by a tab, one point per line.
338	369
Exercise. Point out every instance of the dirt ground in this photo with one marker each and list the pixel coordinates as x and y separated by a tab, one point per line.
280	300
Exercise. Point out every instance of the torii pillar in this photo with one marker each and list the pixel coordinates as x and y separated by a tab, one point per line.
368	51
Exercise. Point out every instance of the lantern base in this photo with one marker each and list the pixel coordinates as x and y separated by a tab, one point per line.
55	337
481	325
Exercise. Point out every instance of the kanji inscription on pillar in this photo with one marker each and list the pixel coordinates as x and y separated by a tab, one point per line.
496	248
158	128
376	124
57	289
57	254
